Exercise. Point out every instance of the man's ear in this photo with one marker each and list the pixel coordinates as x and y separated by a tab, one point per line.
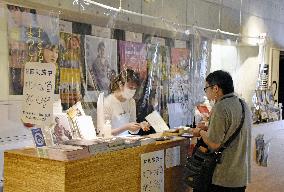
216	88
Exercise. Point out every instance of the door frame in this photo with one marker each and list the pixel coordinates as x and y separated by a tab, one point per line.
271	67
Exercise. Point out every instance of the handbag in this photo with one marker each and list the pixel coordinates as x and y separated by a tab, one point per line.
200	165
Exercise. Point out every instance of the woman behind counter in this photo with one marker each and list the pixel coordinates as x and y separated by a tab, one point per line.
120	107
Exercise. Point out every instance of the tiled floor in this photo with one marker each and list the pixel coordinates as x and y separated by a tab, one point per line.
270	178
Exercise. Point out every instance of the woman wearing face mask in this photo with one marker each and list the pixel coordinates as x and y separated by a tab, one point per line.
119	106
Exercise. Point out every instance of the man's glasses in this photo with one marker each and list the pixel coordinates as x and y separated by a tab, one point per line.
205	88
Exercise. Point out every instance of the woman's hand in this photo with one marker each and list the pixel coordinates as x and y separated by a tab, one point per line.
133	126
145	126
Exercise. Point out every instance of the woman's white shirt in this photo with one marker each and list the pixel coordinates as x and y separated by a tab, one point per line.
119	113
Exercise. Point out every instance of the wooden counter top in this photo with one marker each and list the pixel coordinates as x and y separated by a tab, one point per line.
26	170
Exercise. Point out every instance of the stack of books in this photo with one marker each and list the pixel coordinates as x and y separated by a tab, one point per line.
115	143
66	152
94	146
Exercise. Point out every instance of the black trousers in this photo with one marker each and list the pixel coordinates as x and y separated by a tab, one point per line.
216	188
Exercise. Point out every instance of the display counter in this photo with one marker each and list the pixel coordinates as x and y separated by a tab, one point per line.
26	170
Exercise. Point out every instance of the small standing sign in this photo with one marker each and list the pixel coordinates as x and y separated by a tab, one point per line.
39	83
38	137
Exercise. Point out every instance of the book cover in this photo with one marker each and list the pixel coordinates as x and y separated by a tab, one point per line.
61	130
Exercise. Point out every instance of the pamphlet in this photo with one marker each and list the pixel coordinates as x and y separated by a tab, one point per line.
157	122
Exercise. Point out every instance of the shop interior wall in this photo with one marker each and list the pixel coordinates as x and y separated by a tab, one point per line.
241	62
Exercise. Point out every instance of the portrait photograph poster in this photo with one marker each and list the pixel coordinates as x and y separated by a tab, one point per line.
101	63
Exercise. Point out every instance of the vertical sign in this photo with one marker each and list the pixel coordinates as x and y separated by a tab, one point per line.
172	157
39	83
152	171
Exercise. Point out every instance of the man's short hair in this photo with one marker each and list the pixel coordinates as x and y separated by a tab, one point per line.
222	79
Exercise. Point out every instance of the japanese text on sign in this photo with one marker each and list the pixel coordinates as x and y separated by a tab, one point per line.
39	83
152	171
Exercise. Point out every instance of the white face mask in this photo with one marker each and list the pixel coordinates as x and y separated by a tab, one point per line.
128	93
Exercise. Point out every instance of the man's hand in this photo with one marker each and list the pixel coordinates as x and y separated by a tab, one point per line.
202	125
196	132
145	126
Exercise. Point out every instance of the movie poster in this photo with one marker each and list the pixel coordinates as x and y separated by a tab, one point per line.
179	83
101	63
180	87
31	38
133	56
155	90
71	67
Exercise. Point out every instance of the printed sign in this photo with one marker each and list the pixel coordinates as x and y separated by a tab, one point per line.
180	44
158	40
65	26
172	157
152	171
39	83
101	31
133	37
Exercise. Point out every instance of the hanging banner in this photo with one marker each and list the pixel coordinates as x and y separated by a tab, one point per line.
38	93
101	63
133	56
180	85
31	38
155	92
158	40
70	69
